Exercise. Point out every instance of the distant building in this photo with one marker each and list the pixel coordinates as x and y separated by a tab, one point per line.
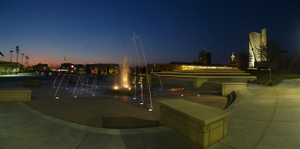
184	66
257	47
9	68
204	58
233	60
102	68
242	60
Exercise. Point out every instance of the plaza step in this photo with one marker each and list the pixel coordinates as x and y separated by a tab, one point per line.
210	88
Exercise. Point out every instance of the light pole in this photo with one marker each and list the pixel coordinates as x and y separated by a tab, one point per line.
22	58
11	51
17	51
270	73
27	61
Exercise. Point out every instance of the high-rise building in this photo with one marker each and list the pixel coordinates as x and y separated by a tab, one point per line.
233	59
204	58
257	47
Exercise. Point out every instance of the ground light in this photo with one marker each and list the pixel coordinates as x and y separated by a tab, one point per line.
56	97
150	110
141	103
75	96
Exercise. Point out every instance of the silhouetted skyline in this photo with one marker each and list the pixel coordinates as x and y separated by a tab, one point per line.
46	31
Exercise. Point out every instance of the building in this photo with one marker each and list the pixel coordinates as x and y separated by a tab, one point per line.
184	66
204	58
242	60
9	68
257	47
233	60
102	68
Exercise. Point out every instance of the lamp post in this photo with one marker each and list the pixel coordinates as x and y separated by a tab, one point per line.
11	51
27	61
17	51
270	73
22	58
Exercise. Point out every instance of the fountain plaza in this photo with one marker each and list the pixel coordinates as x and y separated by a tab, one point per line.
89	114
261	117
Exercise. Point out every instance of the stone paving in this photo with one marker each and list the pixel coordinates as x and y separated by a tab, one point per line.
261	117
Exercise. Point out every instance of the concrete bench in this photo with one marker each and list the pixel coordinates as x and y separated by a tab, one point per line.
201	124
15	94
35	83
228	87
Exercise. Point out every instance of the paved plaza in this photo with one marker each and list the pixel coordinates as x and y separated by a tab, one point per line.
261	117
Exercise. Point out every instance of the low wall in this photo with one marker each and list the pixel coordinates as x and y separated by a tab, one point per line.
228	87
15	94
172	81
201	124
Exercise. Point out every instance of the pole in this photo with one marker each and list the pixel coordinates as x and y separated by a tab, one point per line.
270	74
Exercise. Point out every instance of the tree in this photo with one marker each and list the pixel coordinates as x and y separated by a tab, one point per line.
274	50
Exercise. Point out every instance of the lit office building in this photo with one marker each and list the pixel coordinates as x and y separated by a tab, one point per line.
257	47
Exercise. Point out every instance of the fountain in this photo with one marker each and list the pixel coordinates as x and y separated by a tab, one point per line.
122	84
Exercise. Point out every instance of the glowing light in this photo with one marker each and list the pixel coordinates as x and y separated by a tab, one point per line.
56	97
198	95
75	96
150	110
141	103
116	87
129	88
181	94
134	98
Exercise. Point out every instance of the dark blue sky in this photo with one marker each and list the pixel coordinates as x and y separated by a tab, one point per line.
101	31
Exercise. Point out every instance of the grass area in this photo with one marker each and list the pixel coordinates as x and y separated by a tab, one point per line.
263	76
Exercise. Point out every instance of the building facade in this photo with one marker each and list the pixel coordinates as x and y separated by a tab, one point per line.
204	58
257	47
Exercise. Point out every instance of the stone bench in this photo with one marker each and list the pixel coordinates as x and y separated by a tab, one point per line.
35	83
15	94
228	87
201	124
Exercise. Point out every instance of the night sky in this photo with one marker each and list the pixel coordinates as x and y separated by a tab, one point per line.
102	31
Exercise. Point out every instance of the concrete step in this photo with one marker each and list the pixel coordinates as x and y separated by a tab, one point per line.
212	85
209	91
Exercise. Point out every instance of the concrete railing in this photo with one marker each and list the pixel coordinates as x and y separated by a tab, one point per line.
201	124
15	94
228	87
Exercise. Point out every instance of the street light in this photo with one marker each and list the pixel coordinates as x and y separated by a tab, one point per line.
11	51
17	51
22	58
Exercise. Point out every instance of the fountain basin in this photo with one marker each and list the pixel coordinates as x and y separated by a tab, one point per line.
124	91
